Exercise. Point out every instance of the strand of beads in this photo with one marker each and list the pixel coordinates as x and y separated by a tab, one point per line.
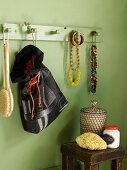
93	68
93	62
76	39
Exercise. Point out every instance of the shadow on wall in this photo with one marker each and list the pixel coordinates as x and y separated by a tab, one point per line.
88	67
11	127
67	133
59	167
11	130
52	168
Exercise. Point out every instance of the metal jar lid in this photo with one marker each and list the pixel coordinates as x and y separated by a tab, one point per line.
93	109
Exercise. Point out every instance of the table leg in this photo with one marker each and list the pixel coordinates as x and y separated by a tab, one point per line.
68	162
117	164
64	161
71	163
91	167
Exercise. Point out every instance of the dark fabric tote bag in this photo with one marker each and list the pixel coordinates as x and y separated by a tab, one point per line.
40	98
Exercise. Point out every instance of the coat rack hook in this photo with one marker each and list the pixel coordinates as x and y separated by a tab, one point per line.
31	30
5	31
94	33
54	32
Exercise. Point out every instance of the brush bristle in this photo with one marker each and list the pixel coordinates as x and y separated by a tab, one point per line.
4	103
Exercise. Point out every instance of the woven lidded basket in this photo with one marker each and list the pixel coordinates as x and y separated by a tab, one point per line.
92	119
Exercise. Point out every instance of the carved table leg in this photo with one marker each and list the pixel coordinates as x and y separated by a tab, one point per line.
117	164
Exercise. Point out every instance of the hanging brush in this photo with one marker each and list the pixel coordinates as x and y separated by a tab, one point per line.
6	97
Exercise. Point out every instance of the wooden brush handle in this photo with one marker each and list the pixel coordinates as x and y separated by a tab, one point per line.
6	65
6	83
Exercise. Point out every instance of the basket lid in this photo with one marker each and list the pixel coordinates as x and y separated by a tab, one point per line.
93	108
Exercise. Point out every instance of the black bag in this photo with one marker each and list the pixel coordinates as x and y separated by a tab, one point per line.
41	100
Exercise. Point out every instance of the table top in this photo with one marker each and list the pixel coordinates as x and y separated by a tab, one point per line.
95	156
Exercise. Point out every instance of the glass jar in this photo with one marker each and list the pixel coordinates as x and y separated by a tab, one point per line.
111	135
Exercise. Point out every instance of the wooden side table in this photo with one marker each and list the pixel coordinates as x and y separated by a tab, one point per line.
72	152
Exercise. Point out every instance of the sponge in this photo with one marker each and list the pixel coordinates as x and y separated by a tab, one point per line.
91	141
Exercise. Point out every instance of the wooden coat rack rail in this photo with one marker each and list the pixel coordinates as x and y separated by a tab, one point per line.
47	33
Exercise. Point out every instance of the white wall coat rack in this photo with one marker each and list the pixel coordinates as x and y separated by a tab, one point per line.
47	33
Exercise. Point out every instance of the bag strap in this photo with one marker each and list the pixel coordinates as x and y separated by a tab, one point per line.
34	82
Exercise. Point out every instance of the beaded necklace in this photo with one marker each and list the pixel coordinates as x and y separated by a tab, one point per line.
76	39
93	64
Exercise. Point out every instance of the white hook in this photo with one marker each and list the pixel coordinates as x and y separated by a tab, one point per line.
33	31
6	30
34	36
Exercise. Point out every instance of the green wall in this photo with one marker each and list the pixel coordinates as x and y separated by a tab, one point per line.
20	150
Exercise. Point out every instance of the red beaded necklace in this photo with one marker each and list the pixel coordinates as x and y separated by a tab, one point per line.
93	63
